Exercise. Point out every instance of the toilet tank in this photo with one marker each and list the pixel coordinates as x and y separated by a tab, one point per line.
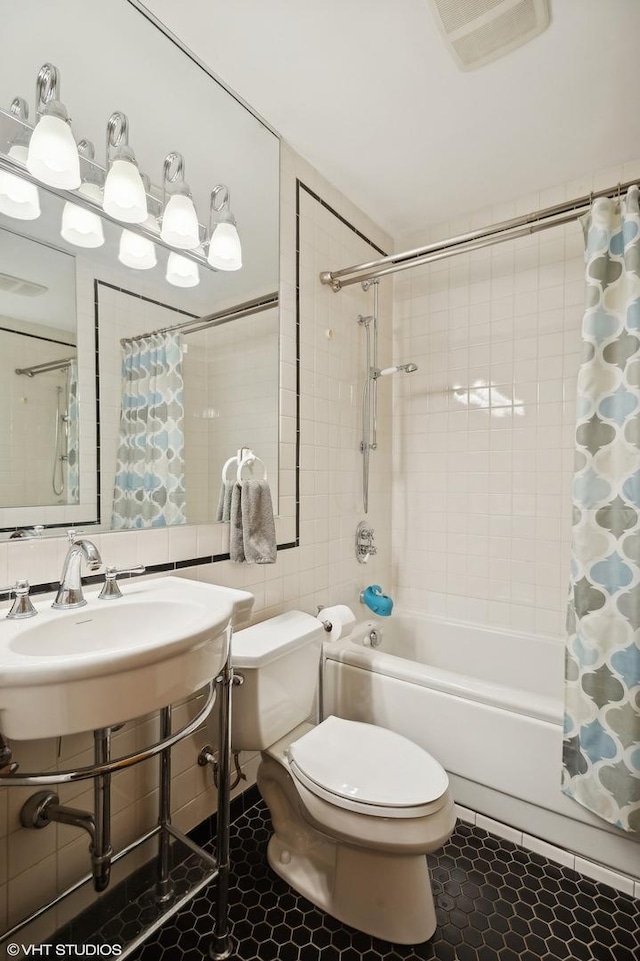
279	660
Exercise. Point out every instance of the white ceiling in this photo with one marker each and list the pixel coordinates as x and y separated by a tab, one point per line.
366	91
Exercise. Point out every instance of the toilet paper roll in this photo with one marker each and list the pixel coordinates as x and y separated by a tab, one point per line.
341	619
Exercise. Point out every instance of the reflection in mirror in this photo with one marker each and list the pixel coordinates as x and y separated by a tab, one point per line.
205	154
39	449
225	371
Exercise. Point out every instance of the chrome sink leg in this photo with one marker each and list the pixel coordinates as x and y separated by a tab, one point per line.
164	887
222	945
101	850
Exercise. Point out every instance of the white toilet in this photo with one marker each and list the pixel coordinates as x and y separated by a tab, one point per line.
355	807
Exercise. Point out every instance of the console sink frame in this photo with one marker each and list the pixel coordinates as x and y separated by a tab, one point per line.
221	686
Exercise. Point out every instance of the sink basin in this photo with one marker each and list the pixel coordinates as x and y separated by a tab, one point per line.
68	671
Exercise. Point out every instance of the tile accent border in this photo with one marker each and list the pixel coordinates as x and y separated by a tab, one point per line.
589	869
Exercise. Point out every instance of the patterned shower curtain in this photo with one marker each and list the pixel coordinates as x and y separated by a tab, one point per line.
72	427
149	483
602	721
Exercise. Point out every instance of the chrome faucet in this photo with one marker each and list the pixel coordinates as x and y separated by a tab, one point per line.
70	591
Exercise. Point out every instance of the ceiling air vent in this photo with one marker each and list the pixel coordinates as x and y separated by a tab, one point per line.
478	31
16	285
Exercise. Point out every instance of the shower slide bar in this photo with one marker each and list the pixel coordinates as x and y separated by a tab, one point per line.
194	324
522	226
46	367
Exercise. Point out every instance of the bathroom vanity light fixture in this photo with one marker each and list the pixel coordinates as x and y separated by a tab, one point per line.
53	155
182	272
180	227
81	227
116	190
124	193
225	251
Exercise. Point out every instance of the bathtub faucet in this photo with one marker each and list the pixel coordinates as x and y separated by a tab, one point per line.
376	601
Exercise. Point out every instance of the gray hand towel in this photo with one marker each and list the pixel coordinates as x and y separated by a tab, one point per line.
224	503
236	539
258	527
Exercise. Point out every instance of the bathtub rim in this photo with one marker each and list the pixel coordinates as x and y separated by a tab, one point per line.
498	696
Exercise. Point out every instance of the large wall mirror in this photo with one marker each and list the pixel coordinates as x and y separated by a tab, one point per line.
89	298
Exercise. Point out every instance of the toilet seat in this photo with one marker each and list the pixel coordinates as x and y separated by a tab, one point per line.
368	769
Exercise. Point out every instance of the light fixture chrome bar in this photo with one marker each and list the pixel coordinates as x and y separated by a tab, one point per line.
194	324
44	368
80	200
522	226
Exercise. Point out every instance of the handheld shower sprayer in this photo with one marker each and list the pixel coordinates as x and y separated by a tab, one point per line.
405	368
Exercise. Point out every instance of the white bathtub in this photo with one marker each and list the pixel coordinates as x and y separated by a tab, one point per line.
489	705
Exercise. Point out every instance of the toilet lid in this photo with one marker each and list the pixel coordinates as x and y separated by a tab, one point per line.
347	761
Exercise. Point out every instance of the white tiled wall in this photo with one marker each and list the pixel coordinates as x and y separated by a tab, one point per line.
322	570
483	432
27	443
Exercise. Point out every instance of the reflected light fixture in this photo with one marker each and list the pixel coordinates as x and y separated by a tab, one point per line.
225	250
136	251
124	194
180	227
81	227
53	154
18	197
182	272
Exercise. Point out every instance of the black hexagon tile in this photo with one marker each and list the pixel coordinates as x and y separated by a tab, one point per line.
494	902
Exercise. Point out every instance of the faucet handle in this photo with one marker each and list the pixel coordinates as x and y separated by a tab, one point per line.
73	535
22	606
111	588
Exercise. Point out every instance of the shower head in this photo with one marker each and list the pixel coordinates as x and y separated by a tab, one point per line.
405	368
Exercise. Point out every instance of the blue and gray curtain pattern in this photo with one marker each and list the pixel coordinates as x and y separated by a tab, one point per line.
602	720
149	482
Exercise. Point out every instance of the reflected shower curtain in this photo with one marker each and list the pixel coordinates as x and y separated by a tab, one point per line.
602	721
149	482
72	427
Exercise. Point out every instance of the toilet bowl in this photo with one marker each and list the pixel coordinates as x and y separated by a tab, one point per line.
355	807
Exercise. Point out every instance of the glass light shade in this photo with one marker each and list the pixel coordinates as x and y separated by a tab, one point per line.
53	153
225	251
18	198
180	223
136	252
82	227
182	272
124	194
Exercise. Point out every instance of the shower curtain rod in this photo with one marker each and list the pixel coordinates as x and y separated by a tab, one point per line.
44	368
531	223
194	324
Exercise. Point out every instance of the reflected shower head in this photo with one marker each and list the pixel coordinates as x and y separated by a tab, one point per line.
405	368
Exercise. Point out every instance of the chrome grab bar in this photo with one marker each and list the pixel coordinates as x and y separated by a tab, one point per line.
93	770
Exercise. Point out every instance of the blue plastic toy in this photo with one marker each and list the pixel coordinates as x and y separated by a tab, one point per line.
376	601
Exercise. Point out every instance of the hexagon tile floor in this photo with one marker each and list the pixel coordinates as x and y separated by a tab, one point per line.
495	902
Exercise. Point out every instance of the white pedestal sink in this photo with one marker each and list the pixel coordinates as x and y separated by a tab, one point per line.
63	672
